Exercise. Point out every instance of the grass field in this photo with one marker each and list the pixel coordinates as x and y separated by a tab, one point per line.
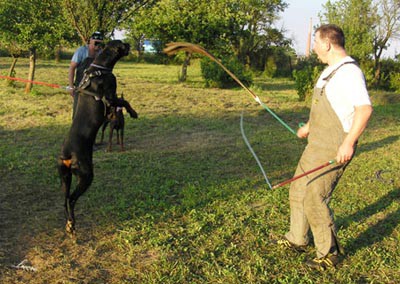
186	202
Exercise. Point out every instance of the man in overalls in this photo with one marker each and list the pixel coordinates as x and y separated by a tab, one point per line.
339	114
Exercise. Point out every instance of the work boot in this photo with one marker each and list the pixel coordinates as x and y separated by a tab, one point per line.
286	244
323	263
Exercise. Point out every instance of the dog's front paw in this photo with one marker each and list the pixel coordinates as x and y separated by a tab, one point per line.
133	113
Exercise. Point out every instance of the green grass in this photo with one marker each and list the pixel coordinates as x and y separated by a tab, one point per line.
186	202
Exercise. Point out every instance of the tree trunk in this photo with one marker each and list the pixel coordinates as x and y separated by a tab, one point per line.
32	65
290	66
186	62
57	54
377	75
11	71
12	67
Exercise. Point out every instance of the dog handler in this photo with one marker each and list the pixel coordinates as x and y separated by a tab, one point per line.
81	60
339	114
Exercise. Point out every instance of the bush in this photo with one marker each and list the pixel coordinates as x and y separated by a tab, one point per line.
303	82
390	78
305	75
4	52
280	63
270	67
215	76
367	66
395	82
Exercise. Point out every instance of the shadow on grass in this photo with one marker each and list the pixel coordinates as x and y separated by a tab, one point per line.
378	231
378	144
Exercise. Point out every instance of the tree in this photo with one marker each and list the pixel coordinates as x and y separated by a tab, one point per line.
358	19
33	25
256	33
198	21
368	26
87	16
226	27
388	27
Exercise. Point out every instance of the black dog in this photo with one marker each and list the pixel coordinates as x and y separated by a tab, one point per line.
97	93
116	121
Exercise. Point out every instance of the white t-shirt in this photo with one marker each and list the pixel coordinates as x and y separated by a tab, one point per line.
345	90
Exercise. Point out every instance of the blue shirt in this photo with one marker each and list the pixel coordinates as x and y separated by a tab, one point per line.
80	54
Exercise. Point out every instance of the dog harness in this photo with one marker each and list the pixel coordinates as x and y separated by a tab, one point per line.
86	81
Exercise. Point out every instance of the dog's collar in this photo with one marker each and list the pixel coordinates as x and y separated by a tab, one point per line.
100	67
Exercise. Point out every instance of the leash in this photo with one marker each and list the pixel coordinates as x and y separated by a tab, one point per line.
56	86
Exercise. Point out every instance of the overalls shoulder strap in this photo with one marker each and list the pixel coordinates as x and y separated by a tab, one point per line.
327	78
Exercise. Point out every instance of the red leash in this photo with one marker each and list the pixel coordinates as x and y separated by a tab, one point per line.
34	82
304	174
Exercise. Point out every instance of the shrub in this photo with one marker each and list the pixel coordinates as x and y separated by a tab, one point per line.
395	82
305	75
270	67
303	82
280	65
367	66
215	76
390	78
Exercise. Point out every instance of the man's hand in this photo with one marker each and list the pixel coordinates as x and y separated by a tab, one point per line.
303	131
71	91
345	153
361	117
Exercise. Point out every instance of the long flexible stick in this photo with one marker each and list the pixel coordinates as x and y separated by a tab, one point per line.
252	152
304	174
175	47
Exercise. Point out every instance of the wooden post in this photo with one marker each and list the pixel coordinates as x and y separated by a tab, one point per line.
308	47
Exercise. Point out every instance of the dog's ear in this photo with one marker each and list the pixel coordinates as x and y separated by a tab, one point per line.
122	95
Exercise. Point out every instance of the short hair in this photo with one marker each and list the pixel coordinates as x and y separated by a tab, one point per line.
333	33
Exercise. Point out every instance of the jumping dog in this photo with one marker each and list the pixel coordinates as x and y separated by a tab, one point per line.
97	94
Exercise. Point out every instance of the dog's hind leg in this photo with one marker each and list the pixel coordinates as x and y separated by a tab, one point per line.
64	170
103	129
118	137
121	139
84	172
109	149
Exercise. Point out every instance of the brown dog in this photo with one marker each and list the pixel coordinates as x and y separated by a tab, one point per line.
116	121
